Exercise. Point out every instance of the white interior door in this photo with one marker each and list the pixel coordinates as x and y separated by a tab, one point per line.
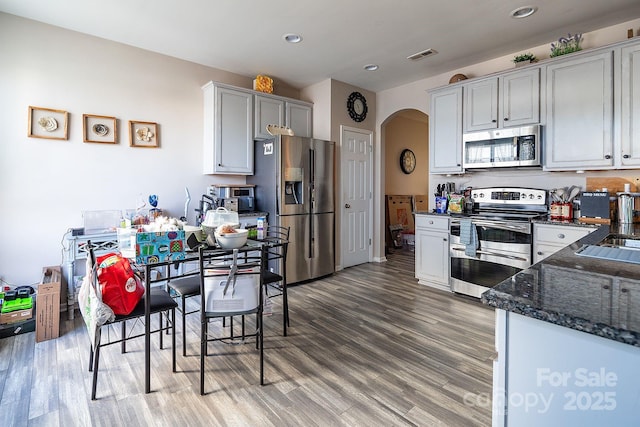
356	208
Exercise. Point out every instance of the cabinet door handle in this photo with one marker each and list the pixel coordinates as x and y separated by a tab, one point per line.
624	290
626	156
560	236
444	239
539	252
605	287
607	156
493	121
347	205
506	119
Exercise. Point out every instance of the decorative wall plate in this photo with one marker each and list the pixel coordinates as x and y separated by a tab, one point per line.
100	129
144	134
48	123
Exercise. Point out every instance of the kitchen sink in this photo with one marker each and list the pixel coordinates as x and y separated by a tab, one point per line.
620	241
614	247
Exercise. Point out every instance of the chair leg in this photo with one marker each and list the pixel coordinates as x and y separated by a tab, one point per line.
173	338
123	345
96	364
162	315
90	358
261	341
203	353
285	309
184	326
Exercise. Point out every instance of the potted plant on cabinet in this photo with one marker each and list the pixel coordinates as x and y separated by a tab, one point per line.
524	59
565	45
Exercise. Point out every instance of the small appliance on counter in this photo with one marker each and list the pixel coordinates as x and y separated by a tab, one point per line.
235	197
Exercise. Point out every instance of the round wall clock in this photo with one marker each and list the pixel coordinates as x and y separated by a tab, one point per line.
407	161
357	106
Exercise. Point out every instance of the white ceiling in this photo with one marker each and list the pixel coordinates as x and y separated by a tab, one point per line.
339	36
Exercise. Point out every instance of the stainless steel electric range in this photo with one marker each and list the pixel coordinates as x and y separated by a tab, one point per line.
503	225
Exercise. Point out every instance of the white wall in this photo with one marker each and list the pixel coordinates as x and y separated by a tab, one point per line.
46	184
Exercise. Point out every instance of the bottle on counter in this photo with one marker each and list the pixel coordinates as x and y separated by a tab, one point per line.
625	205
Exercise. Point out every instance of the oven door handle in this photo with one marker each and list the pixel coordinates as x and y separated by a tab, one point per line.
496	254
521	228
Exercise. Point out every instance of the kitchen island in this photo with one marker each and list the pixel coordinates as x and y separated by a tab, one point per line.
568	340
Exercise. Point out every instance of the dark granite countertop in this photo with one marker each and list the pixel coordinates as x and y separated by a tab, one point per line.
596	296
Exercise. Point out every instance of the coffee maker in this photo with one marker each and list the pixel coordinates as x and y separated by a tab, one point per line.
235	197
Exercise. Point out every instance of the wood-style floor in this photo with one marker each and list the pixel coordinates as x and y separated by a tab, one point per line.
367	346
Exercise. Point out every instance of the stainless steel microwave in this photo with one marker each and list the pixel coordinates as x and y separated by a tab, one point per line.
509	147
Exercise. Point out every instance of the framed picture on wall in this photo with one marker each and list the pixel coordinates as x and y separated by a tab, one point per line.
143	134
102	129
47	123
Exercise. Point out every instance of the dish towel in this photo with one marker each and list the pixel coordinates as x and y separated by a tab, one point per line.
469	237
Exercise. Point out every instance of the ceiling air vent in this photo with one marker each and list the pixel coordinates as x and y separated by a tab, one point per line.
422	54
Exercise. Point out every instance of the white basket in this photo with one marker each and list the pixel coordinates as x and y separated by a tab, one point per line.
244	296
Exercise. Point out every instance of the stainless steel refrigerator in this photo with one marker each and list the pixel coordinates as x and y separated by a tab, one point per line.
294	184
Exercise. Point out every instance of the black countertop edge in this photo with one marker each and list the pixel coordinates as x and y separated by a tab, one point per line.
504	301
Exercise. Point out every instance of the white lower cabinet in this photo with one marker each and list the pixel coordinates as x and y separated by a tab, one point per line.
432	251
549	238
549	375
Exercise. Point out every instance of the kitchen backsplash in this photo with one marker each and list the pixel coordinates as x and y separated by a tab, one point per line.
525	178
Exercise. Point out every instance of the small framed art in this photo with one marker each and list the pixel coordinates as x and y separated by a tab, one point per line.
102	129
48	123
143	134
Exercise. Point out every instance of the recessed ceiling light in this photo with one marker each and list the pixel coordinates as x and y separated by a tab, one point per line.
523	12
292	38
371	67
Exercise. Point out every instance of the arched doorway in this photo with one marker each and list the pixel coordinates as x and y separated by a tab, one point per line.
404	129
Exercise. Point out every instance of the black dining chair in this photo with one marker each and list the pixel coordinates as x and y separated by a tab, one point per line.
230	285
275	275
185	286
161	303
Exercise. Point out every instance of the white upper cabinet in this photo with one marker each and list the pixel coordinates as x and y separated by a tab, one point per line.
512	99
228	130
579	108
269	111
445	130
630	107
272	110
299	118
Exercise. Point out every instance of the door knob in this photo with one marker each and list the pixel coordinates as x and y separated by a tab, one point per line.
347	205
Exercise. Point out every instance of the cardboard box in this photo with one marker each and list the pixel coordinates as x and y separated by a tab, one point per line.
16	316
48	304
401	211
398	212
421	202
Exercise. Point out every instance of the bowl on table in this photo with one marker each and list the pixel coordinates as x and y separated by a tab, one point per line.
231	240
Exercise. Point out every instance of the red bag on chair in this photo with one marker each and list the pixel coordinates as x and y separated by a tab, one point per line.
121	288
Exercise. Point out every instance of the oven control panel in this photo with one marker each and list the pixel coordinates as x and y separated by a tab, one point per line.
509	196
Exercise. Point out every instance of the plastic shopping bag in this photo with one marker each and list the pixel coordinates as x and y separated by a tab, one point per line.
120	287
94	312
